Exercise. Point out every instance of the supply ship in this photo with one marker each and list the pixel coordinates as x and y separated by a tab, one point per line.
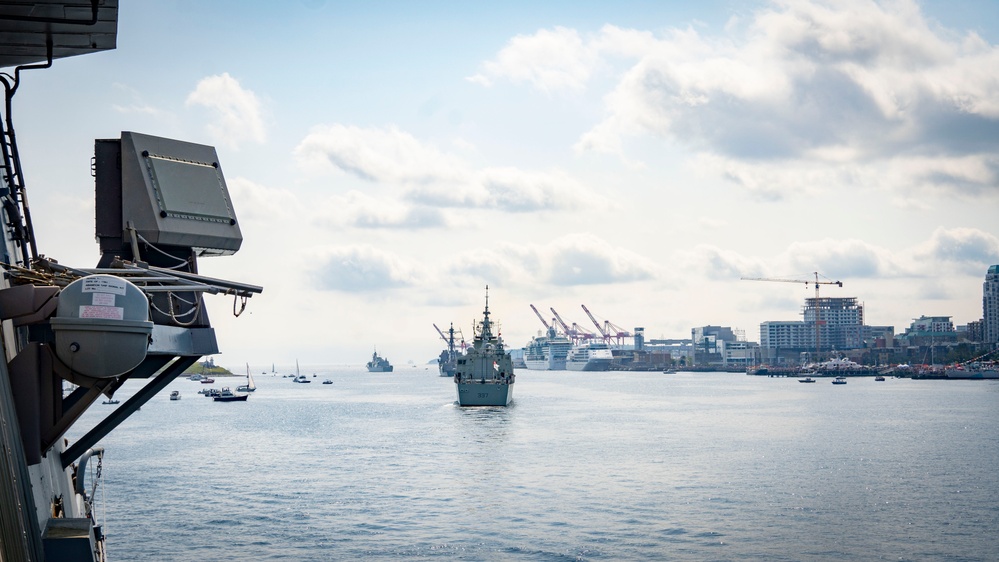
484	375
161	204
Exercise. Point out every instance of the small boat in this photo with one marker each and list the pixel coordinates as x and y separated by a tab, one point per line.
839	380
327	381
301	378
879	378
227	395
207	381
806	379
112	401
249	386
175	395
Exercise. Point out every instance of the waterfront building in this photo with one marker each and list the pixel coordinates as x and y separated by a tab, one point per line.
828	324
990	305
929	330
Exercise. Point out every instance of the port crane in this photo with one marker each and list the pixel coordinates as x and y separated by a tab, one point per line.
609	331
818	308
576	333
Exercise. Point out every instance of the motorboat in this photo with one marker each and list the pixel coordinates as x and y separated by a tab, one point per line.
839	380
806	379
879	378
327	381
175	395
226	395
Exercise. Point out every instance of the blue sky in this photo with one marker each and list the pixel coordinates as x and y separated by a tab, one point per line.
387	160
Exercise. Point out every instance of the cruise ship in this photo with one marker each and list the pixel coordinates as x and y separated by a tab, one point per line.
589	356
484	375
547	352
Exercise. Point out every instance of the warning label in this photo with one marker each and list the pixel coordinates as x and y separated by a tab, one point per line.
104	285
103	299
102	312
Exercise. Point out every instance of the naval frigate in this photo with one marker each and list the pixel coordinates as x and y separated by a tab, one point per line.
484	375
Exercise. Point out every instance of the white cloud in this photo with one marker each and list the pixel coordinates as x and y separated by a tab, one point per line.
550	60
360	210
237	111
840	89
364	269
967	249
432	177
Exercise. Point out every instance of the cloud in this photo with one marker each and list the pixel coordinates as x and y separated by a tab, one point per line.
363	211
570	260
364	269
237	110
842	88
550	60
253	201
717	263
968	249
432	177
584	259
842	259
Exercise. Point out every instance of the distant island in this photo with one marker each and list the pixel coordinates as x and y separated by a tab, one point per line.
208	367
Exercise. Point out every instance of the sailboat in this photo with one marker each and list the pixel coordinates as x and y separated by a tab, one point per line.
249	386
300	377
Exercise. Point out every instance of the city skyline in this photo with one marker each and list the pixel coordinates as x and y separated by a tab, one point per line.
386	162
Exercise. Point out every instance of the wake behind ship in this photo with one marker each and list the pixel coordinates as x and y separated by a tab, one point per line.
161	204
484	375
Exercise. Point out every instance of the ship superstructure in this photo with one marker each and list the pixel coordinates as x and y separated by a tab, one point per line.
448	359
484	375
139	315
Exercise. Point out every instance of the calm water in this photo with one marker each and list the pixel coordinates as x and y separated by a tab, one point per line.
582	466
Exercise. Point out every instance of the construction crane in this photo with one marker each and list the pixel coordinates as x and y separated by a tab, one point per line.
609	330
818	309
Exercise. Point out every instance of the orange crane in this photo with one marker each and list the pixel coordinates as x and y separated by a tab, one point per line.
818	309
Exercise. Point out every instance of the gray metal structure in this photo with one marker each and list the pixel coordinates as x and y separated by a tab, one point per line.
161	204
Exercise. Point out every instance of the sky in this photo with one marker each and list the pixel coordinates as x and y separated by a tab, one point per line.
388	160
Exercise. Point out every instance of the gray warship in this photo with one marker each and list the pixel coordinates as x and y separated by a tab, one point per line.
484	375
161	204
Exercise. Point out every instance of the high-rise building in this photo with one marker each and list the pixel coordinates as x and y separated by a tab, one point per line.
990	305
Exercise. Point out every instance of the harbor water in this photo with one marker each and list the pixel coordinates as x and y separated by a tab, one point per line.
581	466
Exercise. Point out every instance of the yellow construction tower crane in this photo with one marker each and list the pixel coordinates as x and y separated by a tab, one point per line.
818	308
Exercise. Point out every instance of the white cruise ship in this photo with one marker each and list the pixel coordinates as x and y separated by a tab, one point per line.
548	352
589	356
